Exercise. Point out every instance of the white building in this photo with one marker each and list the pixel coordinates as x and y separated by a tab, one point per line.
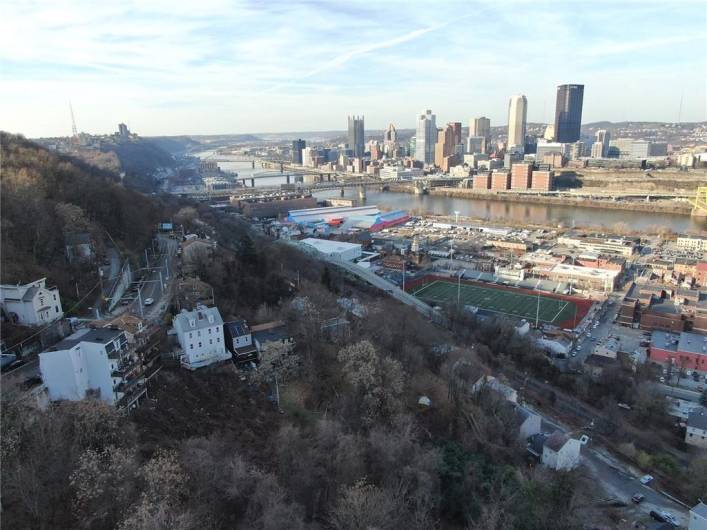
200	334
692	243
696	431
560	452
517	116
426	137
93	361
530	423
32	304
339	250
490	382
399	173
698	517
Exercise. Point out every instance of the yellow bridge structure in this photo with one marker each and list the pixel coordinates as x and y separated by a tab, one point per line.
699	203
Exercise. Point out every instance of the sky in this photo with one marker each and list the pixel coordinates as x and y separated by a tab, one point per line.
168	67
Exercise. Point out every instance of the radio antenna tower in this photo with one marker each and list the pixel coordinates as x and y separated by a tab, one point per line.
74	131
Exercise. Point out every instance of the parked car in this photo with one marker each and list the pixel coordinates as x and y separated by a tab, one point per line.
646	479
149	301
658	516
638	498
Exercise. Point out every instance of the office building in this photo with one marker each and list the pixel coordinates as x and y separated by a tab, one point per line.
297	146
480	127
475	144
399	173
517	116
457	126
568	113
356	136
426	137
123	131
521	176
445	146
600	148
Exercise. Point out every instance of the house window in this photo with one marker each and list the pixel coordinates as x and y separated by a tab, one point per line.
191	346
218	340
56	308
209	331
198	333
55	298
211	341
190	334
200	345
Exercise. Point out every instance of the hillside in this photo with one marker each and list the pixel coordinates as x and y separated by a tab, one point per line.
46	196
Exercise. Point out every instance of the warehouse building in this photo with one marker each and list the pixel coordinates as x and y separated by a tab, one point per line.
338	250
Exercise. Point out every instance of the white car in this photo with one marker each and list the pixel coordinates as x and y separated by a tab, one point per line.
149	301
646	479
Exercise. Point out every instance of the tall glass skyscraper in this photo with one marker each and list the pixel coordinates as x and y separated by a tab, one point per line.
297	146
568	113
356	143
426	137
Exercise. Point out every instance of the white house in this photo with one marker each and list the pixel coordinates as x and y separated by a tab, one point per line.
696	431
698	517
32	304
560	452
200	334
93	361
530	423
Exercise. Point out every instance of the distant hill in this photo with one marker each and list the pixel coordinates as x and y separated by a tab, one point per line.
45	196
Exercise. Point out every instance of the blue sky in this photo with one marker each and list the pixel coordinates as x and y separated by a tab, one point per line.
215	66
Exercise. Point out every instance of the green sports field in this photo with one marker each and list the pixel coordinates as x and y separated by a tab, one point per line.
504	301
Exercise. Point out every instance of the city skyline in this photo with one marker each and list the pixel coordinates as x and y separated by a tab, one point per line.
233	68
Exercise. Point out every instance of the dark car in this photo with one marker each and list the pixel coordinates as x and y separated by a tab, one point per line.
638	498
658	516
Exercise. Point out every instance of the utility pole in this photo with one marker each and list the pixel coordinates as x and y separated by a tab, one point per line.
459	286
139	301
161	284
537	312
147	260
403	274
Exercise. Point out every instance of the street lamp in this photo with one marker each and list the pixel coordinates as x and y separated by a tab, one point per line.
456	217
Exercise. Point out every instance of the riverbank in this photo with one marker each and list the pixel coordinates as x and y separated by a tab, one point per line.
667	207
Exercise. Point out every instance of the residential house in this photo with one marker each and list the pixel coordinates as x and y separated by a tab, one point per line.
269	333
698	517
696	431
96	362
561	452
133	326
239	341
530	423
32	304
200	334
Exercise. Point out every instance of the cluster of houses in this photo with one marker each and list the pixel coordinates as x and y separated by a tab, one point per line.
105	360
558	450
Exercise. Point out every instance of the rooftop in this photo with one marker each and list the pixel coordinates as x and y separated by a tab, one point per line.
556	441
97	336
326	246
700	509
697	419
200	317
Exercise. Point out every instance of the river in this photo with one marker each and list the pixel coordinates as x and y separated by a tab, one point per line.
539	214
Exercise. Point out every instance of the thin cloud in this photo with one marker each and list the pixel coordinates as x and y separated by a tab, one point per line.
617	47
344	58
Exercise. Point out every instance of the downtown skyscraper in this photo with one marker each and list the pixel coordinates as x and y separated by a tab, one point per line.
356	136
568	113
297	146
426	137
517	117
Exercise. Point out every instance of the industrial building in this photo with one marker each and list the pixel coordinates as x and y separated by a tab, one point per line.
685	350
346	218
339	250
584	277
272	205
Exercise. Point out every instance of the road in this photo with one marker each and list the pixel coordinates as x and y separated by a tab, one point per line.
619	481
155	283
